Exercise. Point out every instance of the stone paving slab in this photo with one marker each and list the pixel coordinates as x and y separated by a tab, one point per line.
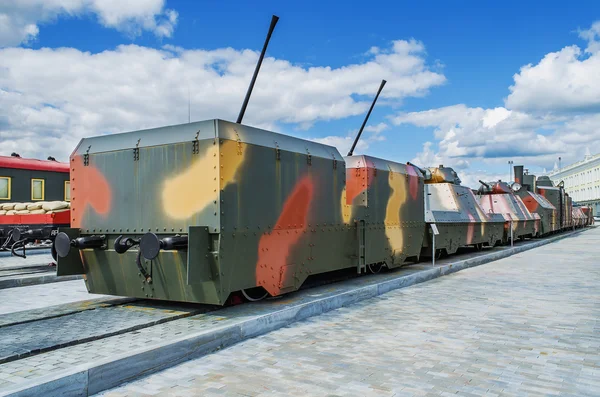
95	366
524	325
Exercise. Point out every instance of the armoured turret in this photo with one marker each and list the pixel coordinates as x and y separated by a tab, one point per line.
443	174
439	174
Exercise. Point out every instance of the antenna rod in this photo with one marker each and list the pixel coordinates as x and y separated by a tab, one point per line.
366	118
274	20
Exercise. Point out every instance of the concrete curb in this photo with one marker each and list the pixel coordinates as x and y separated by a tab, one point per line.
91	378
35	280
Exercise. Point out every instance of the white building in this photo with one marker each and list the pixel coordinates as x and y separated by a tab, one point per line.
582	181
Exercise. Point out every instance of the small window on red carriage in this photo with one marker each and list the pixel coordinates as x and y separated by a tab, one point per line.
5	187
37	189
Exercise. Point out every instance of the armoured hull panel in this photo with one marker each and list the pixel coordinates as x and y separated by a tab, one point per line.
459	218
559	199
568	211
579	218
513	210
538	204
386	199
589	215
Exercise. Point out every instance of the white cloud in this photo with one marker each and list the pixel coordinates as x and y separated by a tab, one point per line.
472	177
370	134
592	35
553	110
496	135
377	128
564	81
343	143
46	110
20	19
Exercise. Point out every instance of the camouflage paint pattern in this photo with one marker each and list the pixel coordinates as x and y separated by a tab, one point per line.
568	210
259	209
460	220
579	217
525	187
386	199
559	199
538	204
500	199
589	214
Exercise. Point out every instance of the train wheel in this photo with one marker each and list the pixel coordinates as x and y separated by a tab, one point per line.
255	294
376	268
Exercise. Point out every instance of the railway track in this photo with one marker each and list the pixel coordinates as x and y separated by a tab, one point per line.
24	334
31	332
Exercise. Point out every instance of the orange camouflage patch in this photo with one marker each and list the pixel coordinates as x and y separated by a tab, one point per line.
88	187
274	248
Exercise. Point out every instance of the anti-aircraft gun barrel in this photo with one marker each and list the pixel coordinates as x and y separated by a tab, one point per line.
366	118
484	184
260	59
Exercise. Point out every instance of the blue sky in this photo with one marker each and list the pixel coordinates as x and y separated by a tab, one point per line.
476	48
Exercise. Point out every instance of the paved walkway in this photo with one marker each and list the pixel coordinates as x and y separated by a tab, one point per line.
525	325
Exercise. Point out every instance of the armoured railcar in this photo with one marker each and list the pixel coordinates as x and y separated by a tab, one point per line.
498	197
525	188
384	200
559	199
459	218
579	218
589	214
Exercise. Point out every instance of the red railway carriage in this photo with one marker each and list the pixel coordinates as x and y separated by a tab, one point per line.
34	200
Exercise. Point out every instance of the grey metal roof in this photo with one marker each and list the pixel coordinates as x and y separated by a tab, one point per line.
358	161
208	129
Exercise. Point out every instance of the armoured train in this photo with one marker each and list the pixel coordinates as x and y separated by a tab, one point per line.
204	211
34	201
